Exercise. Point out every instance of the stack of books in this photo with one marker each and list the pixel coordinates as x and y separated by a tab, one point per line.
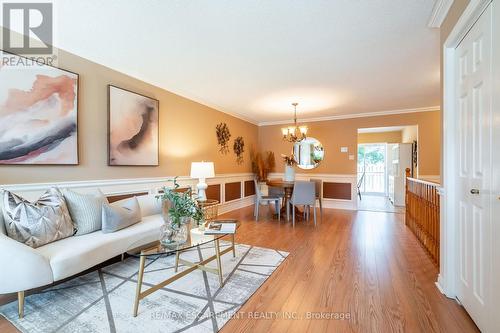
221	227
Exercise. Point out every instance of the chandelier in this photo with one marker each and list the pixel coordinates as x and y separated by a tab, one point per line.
294	133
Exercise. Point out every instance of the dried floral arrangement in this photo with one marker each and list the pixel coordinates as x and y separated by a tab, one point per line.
262	164
239	148
223	136
289	160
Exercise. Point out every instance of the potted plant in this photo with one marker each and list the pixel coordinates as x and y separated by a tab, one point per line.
290	163
178	209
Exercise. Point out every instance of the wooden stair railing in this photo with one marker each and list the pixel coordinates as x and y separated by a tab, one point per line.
422	214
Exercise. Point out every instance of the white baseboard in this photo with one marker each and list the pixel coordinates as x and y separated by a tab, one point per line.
227	207
439	286
340	204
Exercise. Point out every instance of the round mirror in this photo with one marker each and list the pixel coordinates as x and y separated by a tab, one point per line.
308	153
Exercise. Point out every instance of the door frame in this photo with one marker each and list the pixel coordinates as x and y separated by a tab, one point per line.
449	250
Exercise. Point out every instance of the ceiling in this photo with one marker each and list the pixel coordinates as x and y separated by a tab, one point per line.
254	58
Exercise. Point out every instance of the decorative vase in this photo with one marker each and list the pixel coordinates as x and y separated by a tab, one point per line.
173	233
289	173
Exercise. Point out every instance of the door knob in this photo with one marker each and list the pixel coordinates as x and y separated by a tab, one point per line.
474	191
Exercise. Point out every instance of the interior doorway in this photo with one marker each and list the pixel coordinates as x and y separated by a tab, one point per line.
384	153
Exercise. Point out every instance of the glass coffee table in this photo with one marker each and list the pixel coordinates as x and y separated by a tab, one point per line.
146	249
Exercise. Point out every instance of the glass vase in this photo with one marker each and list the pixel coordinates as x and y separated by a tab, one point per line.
173	233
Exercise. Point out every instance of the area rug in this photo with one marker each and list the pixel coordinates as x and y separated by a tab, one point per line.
102	301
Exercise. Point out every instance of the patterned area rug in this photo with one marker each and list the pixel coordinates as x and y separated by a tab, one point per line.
102	301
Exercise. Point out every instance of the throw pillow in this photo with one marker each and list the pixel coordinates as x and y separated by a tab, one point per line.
85	210
2	223
149	204
120	214
38	223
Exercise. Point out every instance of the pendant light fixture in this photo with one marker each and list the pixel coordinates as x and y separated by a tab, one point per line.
294	133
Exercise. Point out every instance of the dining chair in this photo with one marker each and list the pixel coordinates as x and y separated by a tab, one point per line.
304	194
260	198
318	185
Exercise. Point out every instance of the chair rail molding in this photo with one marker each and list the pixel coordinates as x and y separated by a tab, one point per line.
112	187
439	13
449	243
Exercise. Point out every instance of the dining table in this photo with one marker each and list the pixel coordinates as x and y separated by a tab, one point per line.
287	187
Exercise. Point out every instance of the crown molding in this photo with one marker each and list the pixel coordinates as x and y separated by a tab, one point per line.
439	12
355	115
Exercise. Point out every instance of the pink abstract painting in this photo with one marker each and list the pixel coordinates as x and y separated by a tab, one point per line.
133	128
38	115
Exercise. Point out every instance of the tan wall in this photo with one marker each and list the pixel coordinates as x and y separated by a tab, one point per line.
343	133
380	137
187	132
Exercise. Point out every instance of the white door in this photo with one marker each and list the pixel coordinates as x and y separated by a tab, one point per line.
474	141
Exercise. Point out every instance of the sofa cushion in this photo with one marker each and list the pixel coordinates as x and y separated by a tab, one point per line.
41	222
73	255
120	214
149	204
85	210
2	223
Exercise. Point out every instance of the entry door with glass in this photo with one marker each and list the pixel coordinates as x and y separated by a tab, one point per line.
372	168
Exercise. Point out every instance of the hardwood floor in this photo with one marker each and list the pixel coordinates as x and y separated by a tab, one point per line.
366	266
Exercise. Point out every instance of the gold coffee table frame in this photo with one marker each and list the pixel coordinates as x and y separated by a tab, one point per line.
155	249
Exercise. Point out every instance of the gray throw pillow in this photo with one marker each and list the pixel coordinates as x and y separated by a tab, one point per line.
41	222
120	214
85	210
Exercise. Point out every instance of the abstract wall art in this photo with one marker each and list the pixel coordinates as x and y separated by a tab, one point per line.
38	114
132	128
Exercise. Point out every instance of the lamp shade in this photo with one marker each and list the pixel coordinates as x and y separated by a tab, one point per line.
202	170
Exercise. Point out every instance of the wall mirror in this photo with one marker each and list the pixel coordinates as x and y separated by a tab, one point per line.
308	153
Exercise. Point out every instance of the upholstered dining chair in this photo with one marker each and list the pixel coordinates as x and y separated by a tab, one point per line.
304	194
318	185
260	198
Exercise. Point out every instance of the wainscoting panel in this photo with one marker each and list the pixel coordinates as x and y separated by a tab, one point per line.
117	189
340	195
232	191
337	191
118	197
213	192
249	188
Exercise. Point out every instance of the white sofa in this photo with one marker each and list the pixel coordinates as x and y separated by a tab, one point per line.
23	268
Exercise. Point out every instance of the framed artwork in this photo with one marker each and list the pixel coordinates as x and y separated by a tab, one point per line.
38	114
133	135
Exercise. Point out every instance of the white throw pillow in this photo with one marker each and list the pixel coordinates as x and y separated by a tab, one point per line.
149	204
85	210
120	214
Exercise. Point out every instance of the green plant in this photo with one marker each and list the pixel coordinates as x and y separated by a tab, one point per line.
182	203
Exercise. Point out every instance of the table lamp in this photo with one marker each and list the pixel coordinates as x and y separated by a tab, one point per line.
202	170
